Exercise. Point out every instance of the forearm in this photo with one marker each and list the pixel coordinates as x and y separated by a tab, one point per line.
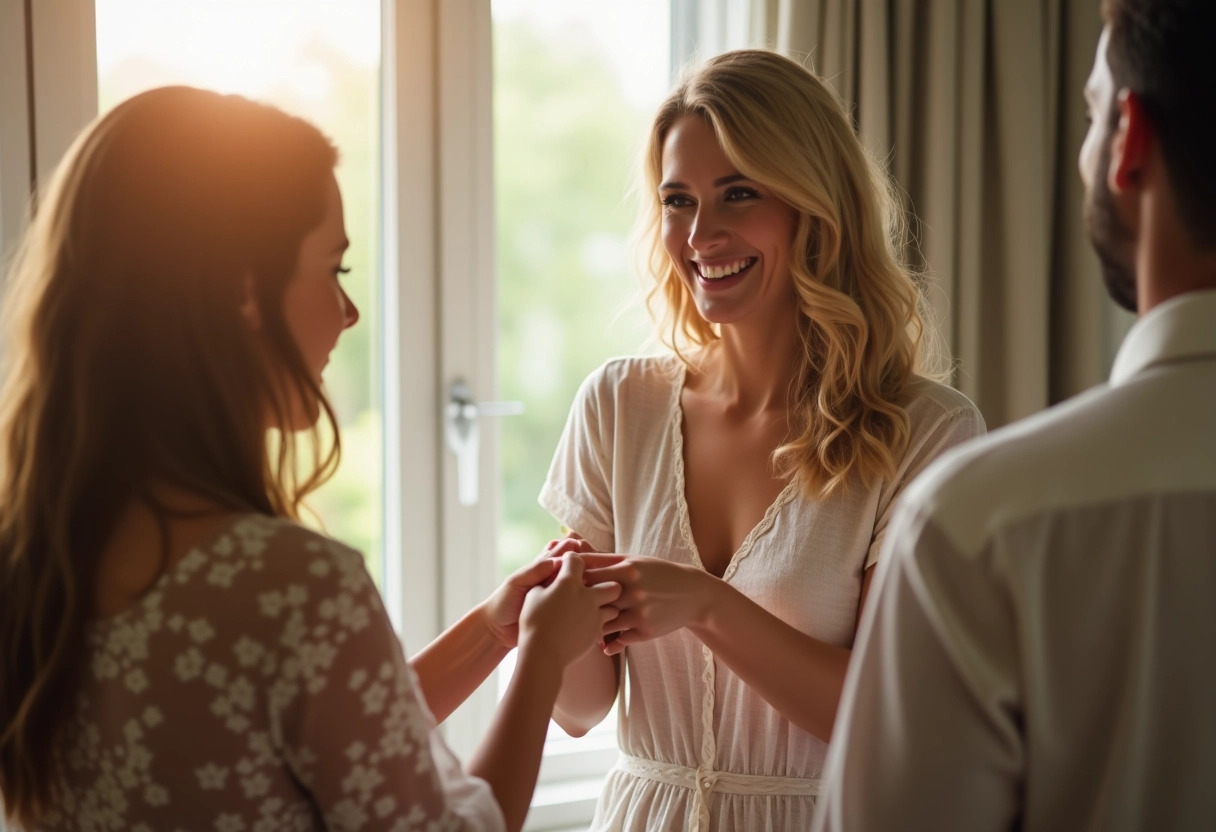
800	676
588	690
452	666
509	756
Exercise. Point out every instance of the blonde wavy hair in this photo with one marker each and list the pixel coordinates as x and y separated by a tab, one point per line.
129	365
861	323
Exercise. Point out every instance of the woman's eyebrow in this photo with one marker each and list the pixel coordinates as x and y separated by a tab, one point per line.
718	183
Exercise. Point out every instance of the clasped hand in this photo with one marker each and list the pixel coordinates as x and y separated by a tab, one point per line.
656	597
554	602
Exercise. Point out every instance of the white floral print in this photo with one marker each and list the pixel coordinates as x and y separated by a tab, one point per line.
258	687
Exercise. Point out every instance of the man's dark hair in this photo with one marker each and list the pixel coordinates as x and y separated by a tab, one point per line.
1164	51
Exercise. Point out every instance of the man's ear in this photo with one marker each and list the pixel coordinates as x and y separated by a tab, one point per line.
250	310
1130	146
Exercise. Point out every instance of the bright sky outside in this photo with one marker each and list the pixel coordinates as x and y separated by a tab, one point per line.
227	49
635	35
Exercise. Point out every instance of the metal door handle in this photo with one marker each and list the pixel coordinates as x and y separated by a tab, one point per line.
460	415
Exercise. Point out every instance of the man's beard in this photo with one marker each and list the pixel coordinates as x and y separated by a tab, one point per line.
1111	239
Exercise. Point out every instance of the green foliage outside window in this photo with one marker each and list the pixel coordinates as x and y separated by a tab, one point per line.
565	160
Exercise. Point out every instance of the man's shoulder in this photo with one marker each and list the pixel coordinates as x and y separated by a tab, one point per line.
1047	461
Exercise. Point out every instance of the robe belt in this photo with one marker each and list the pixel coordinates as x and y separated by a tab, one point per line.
704	781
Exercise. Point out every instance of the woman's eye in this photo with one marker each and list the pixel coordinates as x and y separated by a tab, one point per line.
342	270
675	201
735	194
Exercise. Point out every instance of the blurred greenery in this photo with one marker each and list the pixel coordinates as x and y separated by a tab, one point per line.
564	148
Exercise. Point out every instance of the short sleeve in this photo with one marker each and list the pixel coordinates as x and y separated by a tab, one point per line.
951	429
578	489
347	714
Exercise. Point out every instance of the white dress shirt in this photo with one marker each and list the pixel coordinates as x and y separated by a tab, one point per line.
1039	652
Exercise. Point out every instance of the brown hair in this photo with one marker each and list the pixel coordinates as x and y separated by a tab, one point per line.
129	364
861	325
1162	51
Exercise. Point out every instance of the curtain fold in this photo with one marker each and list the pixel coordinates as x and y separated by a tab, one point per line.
976	108
15	138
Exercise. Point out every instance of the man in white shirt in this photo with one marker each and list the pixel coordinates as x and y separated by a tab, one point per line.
1041	651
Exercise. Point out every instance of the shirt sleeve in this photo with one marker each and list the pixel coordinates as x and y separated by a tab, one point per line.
953	428
347	713
578	489
927	736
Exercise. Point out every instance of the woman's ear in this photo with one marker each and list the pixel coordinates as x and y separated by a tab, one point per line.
250	310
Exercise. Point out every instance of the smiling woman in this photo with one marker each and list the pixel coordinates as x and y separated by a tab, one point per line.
750	472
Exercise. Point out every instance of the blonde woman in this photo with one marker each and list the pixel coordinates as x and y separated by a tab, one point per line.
749	474
178	651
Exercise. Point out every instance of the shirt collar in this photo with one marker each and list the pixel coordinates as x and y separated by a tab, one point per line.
1182	327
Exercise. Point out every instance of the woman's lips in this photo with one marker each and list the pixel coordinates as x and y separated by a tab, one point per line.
712	284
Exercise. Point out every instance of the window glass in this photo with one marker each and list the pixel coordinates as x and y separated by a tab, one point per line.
575	87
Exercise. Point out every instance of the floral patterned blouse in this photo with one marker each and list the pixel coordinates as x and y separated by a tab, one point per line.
259	686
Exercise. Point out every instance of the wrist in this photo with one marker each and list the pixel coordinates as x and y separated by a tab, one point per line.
540	661
487	627
708	594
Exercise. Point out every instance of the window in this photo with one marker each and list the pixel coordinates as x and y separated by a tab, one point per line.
575	86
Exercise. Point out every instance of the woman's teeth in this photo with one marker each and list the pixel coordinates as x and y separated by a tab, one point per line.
719	272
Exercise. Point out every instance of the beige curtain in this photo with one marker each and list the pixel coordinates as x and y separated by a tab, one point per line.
976	105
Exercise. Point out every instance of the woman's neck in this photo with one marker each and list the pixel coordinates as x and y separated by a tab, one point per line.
750	370
146	541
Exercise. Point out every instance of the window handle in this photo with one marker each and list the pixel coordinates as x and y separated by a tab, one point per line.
460	421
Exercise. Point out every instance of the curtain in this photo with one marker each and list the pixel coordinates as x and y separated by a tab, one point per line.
976	107
15	141
48	93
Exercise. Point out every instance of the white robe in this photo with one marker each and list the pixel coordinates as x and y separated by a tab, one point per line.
688	726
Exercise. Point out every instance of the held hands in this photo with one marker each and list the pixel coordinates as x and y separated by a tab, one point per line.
501	610
657	597
567	617
570	543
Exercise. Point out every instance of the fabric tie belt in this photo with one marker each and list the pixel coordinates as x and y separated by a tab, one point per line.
704	781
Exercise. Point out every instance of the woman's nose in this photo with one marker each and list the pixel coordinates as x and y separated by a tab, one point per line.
707	230
352	311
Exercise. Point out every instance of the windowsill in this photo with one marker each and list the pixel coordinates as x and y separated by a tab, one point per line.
565	806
